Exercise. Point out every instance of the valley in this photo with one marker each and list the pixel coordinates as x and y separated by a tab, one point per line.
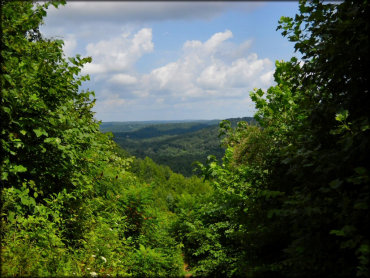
173	143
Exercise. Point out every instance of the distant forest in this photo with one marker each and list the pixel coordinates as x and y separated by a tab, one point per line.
175	144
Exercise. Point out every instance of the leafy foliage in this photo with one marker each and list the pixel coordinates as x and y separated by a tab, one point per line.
303	177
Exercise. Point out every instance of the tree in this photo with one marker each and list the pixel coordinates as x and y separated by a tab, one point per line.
306	202
320	160
46	122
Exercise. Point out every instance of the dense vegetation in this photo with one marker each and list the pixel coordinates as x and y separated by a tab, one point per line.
290	197
177	145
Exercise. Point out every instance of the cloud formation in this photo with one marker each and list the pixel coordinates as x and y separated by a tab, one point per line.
69	46
171	60
215	71
210	69
123	79
120	53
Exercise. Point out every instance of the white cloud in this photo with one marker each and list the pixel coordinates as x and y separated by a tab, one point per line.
70	44
120	53
204	70
164	75
217	39
123	79
208	75
212	77
268	78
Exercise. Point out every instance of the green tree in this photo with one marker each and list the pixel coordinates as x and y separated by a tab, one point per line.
319	158
46	122
326	167
305	194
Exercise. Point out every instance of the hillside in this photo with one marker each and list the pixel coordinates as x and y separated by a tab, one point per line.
129	126
175	144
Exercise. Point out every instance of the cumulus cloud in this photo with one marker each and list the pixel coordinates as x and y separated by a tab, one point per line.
267	78
207	76
120	53
207	70
201	79
216	40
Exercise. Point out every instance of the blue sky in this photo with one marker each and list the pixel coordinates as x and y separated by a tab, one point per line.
173	60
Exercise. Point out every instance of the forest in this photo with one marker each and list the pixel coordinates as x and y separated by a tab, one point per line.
288	198
177	145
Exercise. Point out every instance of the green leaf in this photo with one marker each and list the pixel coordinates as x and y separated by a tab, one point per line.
25	201
4	175
19	169
33	97
6	110
342	115
40	131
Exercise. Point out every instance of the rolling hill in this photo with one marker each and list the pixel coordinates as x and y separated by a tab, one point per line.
172	143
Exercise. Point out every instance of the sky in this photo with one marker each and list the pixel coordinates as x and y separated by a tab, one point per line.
173	60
